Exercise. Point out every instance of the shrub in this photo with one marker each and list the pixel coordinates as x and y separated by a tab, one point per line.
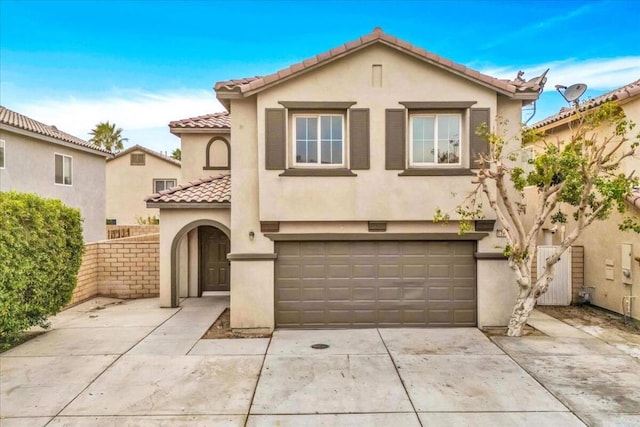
41	249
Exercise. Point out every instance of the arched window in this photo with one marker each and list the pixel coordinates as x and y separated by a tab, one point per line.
218	154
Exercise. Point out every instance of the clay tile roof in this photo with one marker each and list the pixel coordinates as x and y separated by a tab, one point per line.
234	83
216	121
624	92
148	151
20	121
215	189
252	84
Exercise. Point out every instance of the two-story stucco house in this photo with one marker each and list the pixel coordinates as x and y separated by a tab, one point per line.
41	159
133	174
324	179
611	256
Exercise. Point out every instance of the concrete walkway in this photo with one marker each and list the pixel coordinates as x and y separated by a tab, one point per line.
132	363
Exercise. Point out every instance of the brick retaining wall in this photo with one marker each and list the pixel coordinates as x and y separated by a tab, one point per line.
120	268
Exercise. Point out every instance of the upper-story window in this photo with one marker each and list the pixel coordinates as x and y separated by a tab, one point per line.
1	153
163	184
435	139
137	159
63	169
319	139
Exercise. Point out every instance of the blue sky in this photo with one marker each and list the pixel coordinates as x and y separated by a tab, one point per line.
144	63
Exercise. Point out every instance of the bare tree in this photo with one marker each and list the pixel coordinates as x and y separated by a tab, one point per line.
577	182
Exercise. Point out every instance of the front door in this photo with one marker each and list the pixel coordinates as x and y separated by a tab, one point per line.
214	266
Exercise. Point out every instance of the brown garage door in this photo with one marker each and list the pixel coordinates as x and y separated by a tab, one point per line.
366	284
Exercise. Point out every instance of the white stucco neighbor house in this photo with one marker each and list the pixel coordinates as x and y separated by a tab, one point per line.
41	159
312	198
133	174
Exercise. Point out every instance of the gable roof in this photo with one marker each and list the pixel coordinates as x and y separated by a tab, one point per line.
20	121
215	121
248	86
206	191
623	93
148	151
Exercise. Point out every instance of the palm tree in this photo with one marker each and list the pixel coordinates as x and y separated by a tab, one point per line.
177	154
107	136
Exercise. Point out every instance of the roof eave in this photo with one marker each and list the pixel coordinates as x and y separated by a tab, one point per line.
200	130
57	141
188	205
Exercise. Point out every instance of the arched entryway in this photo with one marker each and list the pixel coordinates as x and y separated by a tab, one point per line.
199	242
213	265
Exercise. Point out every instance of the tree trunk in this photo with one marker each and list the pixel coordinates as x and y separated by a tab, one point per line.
527	298
521	312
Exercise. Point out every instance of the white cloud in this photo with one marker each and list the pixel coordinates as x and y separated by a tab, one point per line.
597	73
132	110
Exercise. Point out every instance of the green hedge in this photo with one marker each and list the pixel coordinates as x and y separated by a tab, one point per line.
41	249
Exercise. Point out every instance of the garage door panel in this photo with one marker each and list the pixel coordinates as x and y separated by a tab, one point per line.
365	284
338	271
364	271
439	270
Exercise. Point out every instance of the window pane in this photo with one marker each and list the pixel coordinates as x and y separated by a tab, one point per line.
67	170
448	139
170	183
423	139
331	134
306	139
58	162
336	127
1	154
336	152
159	186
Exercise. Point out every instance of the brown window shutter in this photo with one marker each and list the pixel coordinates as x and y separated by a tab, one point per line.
359	138
275	138
477	144
395	139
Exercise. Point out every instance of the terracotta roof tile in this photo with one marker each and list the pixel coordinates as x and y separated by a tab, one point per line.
257	83
148	151
214	121
215	189
20	121
624	92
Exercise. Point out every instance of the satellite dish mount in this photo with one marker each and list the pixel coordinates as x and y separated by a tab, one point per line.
572	93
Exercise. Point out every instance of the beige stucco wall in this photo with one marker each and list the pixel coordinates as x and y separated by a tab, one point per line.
375	194
252	282
175	223
30	168
128	185
602	241
194	148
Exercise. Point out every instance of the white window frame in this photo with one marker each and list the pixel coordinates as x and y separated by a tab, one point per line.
295	145
63	171
165	180
4	153
461	143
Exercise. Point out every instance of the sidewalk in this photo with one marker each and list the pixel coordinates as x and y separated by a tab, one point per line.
133	363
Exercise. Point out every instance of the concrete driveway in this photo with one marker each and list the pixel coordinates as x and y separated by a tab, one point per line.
134	364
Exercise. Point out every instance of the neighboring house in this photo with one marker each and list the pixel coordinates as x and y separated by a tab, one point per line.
38	158
132	175
338	165
608	252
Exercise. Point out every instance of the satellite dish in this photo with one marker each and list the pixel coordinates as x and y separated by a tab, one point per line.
573	92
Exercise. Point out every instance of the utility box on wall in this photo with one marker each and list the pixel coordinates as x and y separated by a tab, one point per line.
625	263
